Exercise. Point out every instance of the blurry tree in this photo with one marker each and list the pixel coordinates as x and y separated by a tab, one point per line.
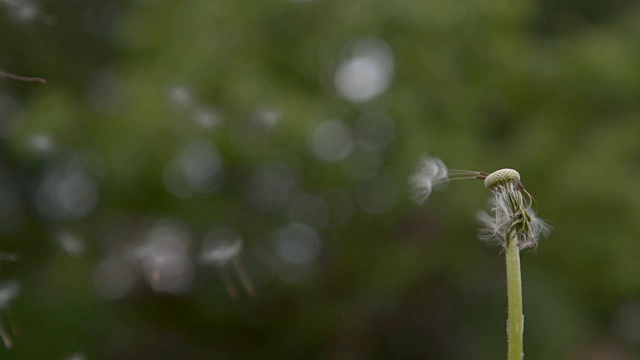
177	139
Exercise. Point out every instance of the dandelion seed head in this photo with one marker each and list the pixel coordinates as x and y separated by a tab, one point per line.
509	217
430	172
501	176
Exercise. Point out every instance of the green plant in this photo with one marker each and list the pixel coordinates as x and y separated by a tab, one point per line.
511	224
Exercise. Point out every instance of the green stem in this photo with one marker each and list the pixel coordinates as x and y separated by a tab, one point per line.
515	323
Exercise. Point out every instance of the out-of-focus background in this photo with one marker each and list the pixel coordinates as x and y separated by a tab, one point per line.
217	179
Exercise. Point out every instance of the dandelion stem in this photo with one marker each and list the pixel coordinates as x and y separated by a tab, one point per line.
5	337
22	78
244	278
232	290
515	322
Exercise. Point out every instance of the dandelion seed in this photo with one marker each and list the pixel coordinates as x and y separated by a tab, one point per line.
221	248
430	172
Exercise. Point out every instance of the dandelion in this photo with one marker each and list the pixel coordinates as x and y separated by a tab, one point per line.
222	247
510	224
510	206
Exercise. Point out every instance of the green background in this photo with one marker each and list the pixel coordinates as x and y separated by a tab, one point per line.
87	161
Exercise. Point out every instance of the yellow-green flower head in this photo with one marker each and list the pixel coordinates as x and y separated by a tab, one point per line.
502	176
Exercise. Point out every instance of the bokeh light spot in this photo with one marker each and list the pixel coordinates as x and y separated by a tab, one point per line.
71	243
271	186
377	195
374	131
367	72
197	169
164	259
297	244
67	195
361	164
309	209
8	291
114	278
331	141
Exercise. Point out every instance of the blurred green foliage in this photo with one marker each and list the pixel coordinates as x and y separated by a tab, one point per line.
548	88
